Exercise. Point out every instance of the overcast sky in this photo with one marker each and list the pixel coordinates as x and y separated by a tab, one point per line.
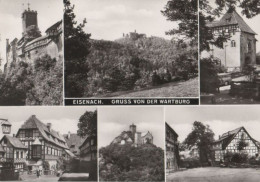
113	120
49	12
109	19
253	23
221	119
63	119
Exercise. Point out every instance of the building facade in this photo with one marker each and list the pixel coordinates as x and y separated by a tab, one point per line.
74	141
42	142
172	149
15	153
235	141
88	149
240	48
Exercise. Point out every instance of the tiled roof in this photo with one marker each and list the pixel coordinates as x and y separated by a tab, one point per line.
74	139
227	137
54	26
69	153
15	142
232	18
51	136
5	122
171	129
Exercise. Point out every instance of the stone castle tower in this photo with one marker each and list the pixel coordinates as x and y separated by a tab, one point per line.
30	25
240	48
32	44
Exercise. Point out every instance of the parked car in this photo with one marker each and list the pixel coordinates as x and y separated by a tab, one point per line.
224	78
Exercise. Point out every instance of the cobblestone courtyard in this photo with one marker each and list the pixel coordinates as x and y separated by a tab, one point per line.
215	174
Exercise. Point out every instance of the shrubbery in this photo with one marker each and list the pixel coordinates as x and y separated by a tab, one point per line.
128	163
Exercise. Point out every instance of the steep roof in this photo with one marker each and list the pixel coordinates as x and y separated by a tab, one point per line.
232	18
54	136
54	26
171	129
227	137
5	122
15	142
74	139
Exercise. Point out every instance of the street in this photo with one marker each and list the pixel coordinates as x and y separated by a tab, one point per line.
215	174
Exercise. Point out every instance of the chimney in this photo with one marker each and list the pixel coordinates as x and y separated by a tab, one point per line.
68	135
49	126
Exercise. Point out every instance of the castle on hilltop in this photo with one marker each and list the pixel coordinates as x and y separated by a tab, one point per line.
132	136
134	35
33	45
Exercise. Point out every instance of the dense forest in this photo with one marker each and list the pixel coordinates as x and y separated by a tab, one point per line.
40	83
128	163
127	64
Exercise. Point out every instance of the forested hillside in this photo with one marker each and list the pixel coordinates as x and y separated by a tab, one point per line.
128	163
127	64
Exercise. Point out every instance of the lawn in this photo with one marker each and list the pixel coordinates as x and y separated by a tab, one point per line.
188	88
215	174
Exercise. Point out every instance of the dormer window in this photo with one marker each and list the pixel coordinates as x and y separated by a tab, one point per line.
228	20
6	129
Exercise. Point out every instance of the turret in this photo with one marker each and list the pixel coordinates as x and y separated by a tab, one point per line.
132	128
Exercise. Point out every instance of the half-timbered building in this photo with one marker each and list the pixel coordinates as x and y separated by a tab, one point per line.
240	48
235	141
42	142
14	153
88	149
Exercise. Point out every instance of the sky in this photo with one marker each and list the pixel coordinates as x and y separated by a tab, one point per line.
253	23
109	19
221	119
113	120
63	119
49	12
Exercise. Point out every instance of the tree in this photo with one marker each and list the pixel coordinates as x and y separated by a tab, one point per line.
209	80
87	125
76	49
200	137
186	13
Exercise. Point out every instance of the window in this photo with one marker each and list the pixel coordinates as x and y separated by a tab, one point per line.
249	47
36	151
28	133
233	43
36	133
17	155
22	155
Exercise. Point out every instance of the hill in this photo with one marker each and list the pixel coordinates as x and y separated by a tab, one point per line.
128	163
127	64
